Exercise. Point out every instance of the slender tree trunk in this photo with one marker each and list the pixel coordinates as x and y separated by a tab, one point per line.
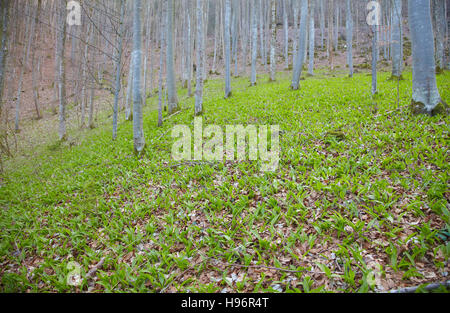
298	66
235	35
128	113
216	36
254	41
19	88
200	41
286	34
138	130
374	58
189	51
118	67
171	85
227	48
273	41
330	34
312	34
295	29
439	13
163	21
425	95
62	70
322	24
336	28
397	46
349	27
83	76
261	33
4	6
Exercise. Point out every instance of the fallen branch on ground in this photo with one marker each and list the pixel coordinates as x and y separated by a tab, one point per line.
429	287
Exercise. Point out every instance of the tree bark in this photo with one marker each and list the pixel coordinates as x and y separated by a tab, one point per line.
138	131
273	41
349	27
397	46
298	66
254	41
171	85
425	95
227	48
200	41
118	67
312	34
62	70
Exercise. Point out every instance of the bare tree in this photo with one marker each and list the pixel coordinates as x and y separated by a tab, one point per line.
138	130
254	26
273	40
349	28
298	66
200	41
425	94
312	35
227	48
62	70
397	46
171	85
118	67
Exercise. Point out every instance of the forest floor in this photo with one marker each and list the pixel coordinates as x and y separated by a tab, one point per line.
360	201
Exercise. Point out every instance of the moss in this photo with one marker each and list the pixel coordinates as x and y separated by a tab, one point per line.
419	108
393	77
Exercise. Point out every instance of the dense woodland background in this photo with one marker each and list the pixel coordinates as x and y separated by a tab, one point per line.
345	93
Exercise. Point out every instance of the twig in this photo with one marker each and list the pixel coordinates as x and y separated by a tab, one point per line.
165	119
96	267
429	287
274	268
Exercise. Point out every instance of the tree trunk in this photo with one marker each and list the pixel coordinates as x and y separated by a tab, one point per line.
118	67
3	47
286	34
227	48
374	58
200	41
273	41
397	47
298	66
62	71
254	41
163	21
349	27
425	95
138	131
312	34
171	85
439	13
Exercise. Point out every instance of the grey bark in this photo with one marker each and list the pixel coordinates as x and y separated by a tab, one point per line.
439	13
312	34
171	85
273	40
3	46
118	68
349	28
286	34
161	62
62	71
199	79
374	58
254	26
397	46
138	131
298	66
425	95
227	48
